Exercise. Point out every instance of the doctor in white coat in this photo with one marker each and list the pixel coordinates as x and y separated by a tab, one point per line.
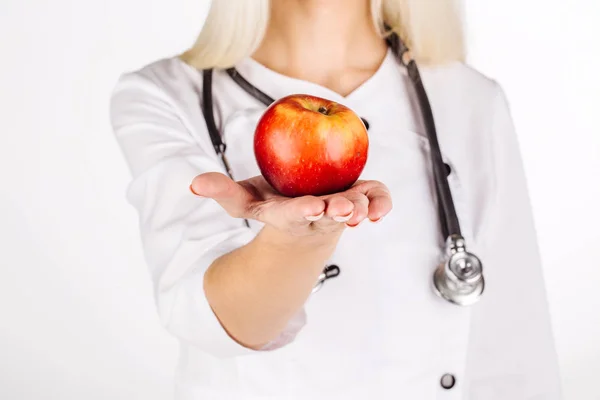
240	298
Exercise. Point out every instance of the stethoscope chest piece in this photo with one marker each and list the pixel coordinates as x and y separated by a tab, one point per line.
331	271
459	279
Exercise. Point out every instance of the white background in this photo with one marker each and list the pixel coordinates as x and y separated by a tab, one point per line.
77	319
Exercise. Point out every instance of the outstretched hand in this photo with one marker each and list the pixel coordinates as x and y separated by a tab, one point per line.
255	199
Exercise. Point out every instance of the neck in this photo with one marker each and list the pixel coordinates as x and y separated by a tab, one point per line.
320	39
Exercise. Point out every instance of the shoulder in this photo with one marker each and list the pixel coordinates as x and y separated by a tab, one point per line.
462	82
459	75
164	96
165	73
461	94
164	90
168	80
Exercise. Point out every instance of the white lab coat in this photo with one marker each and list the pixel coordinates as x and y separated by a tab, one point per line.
377	331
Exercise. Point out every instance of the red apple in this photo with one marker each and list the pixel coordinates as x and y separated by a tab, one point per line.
307	145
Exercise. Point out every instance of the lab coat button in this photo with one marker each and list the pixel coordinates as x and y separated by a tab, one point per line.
448	381
365	122
448	169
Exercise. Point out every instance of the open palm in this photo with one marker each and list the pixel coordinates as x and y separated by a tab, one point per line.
255	199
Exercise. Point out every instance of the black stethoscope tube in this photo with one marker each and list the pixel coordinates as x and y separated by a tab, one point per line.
447	212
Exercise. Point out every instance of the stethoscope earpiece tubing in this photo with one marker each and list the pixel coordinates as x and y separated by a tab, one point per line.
449	219
209	117
249	88
449	222
207	110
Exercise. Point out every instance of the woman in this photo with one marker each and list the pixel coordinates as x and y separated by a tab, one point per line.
240	298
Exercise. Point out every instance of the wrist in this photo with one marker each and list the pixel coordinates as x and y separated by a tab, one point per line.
284	241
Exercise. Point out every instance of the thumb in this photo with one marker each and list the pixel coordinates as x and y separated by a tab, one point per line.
219	187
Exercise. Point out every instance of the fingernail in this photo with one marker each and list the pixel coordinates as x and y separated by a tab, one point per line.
340	218
313	218
376	221
192	190
353	226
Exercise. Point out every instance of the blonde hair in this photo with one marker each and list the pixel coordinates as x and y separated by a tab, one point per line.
432	30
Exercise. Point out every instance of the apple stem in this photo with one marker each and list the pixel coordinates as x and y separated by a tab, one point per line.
323	110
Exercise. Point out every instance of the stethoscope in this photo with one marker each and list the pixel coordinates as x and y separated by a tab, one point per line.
459	276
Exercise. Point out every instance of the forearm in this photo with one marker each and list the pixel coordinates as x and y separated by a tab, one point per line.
256	289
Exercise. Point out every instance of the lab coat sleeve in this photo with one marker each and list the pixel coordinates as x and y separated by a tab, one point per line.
182	234
525	362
